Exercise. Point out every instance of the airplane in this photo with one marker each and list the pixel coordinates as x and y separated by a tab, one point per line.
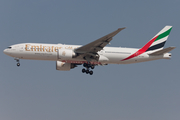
95	53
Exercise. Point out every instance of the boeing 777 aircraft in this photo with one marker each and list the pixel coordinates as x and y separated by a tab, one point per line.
95	53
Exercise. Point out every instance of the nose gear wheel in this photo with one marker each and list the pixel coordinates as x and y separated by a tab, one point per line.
17	60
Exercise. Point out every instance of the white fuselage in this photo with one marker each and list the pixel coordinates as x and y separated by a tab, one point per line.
109	55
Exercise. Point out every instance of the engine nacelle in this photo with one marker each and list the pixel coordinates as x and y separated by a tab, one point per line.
65	54
63	66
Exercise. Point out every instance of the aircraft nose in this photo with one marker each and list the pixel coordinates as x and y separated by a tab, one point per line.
6	52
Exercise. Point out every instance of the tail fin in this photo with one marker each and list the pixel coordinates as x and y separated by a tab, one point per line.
159	39
155	44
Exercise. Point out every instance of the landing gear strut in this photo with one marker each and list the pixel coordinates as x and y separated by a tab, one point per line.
17	60
88	66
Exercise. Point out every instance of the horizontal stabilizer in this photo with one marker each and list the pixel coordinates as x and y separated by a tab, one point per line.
163	51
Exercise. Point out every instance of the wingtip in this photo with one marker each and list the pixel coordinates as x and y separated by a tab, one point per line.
121	28
173	47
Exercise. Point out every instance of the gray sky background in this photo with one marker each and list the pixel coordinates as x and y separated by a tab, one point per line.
36	91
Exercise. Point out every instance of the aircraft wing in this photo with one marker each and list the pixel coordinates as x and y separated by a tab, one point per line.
97	45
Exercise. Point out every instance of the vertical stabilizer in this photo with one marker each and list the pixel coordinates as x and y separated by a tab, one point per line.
160	40
155	44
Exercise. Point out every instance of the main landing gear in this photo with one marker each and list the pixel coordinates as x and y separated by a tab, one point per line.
87	70
17	60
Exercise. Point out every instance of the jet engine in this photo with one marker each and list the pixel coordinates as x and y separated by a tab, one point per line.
63	66
64	54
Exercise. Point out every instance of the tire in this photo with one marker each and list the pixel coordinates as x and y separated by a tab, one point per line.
92	67
84	64
18	64
83	70
91	72
87	71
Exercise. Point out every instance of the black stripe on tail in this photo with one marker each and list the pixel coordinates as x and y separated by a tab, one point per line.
156	46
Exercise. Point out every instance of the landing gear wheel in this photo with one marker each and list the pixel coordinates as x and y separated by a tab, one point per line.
92	66
87	68
17	60
18	64
83	70
85	65
87	71
91	72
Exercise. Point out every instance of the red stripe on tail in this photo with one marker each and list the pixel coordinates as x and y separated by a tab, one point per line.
142	50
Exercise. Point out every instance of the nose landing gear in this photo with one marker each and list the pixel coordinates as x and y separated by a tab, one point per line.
88	66
17	60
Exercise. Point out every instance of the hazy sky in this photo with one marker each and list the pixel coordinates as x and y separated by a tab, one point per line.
36	91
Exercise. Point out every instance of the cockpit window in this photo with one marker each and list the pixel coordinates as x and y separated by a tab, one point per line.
9	47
